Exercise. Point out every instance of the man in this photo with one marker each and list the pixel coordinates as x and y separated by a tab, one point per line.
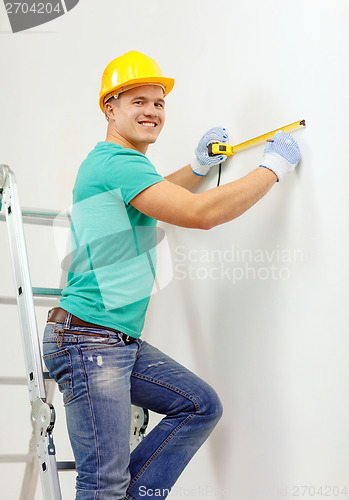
92	344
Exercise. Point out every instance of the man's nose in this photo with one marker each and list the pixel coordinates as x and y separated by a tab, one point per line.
150	109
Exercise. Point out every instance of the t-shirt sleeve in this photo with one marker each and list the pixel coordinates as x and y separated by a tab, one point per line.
131	172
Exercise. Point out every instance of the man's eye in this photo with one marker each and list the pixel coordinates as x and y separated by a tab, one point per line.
138	102
159	105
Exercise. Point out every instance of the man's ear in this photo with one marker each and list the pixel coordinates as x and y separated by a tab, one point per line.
108	110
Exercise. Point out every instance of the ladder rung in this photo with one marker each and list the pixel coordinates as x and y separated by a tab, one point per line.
44	300
42	217
47	214
69	465
21	380
13	381
65	466
42	214
8	459
37	291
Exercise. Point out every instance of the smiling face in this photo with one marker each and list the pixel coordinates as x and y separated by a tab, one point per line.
136	117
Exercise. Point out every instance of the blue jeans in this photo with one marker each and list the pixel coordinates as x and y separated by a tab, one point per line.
100	377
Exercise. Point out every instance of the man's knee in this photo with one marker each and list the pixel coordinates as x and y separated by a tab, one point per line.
211	405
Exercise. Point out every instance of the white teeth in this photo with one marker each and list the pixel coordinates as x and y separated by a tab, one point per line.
148	124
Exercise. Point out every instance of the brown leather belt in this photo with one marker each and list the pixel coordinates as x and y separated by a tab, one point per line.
58	315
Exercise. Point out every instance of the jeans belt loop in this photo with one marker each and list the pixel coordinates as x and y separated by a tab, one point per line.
66	326
67	321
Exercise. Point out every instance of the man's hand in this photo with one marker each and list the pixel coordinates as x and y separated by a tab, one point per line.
202	163
282	155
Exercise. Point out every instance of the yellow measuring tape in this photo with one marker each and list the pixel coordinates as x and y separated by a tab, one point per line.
220	148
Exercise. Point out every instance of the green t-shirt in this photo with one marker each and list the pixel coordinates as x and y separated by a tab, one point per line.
113	255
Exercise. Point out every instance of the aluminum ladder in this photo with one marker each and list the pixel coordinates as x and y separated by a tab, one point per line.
41	457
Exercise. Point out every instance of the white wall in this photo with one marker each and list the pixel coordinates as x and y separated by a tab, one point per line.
275	349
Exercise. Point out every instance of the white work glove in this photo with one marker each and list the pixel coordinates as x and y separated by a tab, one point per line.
282	155
202	163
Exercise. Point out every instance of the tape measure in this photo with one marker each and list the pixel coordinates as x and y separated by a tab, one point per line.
220	148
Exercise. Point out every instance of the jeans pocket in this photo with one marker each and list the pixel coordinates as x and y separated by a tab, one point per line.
59	366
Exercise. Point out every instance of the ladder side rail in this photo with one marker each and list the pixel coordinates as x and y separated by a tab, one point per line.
24	292
31	472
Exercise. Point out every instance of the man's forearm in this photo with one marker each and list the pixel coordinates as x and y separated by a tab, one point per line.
168	202
185	177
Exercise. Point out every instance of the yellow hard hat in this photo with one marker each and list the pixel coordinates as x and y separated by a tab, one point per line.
131	70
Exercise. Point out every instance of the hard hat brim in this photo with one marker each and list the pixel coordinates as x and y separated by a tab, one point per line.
167	83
